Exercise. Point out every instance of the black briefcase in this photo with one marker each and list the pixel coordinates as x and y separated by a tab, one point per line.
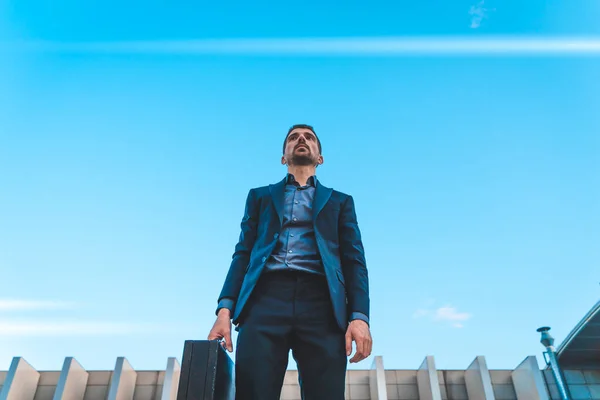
207	372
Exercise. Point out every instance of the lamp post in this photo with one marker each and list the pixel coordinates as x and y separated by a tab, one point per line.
550	357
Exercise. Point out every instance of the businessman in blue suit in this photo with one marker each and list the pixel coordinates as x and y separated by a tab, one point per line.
298	280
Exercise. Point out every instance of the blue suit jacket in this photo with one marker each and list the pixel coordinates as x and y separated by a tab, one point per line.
338	239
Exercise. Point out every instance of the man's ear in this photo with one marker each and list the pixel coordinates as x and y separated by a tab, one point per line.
283	162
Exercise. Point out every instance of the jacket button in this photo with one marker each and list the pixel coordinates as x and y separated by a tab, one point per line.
264	259
276	235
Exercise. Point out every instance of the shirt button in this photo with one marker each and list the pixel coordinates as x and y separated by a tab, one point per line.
289	251
296	202
264	259
295	219
291	235
276	235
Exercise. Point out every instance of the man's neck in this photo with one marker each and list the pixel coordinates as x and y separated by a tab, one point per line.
302	173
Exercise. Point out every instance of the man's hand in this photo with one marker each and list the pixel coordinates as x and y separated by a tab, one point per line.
222	328
358	331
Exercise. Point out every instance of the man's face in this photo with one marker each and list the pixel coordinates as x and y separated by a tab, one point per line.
302	148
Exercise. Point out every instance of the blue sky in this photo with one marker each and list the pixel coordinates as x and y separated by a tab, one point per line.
123	175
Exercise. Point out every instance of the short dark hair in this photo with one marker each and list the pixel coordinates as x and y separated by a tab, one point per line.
302	126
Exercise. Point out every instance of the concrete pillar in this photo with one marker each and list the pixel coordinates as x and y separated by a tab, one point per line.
427	380
122	383
377	380
72	381
528	381
21	381
171	383
478	380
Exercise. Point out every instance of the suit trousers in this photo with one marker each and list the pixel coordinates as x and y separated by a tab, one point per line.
290	311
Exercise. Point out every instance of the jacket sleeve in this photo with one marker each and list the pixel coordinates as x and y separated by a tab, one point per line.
354	264
241	256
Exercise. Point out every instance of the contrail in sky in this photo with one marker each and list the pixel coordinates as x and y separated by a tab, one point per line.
31	305
70	327
330	47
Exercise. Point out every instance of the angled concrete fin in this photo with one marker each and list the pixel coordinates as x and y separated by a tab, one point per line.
21	381
377	380
72	381
427	380
528	381
479	381
122	383
171	383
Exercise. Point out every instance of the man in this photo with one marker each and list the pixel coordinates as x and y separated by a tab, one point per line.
298	280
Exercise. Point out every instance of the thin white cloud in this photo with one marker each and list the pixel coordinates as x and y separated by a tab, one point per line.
445	314
448	313
68	328
18	327
478	13
331	47
32	305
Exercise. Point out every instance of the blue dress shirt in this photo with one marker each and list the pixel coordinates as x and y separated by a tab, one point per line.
296	247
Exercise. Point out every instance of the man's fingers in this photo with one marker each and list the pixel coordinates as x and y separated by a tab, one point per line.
228	343
221	330
360	348
348	344
364	346
360	351
368	347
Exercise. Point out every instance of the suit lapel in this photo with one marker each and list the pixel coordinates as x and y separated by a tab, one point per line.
278	195
322	195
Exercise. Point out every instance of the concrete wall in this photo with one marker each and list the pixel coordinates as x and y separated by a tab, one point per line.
148	385
526	382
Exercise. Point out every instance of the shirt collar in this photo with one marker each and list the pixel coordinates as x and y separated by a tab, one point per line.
291	180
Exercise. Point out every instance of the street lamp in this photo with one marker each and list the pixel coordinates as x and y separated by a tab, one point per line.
550	357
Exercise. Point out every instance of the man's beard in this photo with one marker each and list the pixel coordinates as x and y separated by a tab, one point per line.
303	160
